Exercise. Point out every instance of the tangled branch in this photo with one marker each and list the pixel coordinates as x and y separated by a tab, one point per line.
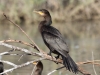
43	55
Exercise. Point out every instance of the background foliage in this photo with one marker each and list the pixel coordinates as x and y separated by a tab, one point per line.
77	20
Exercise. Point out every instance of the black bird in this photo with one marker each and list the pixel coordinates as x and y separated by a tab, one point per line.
54	41
39	68
1	67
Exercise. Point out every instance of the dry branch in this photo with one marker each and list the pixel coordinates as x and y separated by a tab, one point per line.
19	66
7	62
55	70
41	53
45	55
90	62
34	45
17	41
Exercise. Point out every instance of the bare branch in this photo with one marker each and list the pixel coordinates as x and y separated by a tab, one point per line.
93	64
17	41
35	46
20	57
20	66
90	62
55	70
43	55
15	48
7	62
7	52
33	69
84	72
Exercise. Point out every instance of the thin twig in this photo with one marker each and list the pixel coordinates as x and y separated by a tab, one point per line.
17	41
90	62
20	57
93	64
17	48
4	53
35	46
20	66
7	74
33	69
7	62
55	70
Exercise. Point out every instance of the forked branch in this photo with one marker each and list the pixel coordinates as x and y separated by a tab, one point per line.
42	54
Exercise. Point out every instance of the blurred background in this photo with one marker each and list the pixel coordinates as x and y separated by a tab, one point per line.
77	20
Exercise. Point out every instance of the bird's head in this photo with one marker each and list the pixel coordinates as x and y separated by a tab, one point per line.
39	67
38	64
42	12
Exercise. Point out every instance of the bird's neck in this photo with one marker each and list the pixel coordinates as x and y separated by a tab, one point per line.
48	20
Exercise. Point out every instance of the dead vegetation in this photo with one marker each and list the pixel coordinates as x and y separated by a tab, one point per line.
68	10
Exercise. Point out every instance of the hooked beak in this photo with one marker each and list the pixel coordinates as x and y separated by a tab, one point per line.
35	63
39	12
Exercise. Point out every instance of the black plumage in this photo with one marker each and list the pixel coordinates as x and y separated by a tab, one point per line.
1	67
54	41
39	68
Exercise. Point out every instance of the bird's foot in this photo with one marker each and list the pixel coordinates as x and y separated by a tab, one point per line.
56	59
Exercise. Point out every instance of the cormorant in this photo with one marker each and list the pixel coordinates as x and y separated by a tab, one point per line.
39	68
54	41
1	67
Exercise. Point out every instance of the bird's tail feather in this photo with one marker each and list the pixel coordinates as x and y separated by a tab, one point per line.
70	64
